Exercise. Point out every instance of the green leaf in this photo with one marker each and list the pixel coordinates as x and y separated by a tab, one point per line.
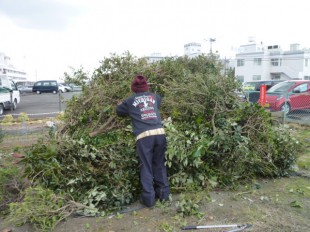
296	204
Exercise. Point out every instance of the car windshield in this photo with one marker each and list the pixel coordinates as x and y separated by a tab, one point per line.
281	87
249	85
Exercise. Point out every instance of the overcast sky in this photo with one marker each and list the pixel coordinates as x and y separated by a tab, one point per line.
46	37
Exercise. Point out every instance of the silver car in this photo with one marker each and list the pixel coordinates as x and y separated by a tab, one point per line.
64	88
25	89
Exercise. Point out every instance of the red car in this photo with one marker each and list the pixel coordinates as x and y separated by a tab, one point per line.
288	96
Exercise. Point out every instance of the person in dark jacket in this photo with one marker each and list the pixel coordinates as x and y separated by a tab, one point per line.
151	143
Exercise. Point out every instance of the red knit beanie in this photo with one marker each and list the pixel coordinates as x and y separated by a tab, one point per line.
139	84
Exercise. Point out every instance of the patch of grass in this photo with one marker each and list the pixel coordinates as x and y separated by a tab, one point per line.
302	133
301	186
304	162
167	227
11	182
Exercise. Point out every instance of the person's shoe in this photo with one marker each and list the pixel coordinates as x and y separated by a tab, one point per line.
147	205
161	198
164	199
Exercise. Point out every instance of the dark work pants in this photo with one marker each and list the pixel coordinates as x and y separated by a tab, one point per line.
153	172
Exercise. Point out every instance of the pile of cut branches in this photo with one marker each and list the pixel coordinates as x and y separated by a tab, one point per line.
214	139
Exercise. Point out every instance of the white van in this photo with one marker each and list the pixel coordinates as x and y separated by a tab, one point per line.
9	94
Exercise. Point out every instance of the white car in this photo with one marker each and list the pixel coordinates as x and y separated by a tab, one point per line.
64	88
75	87
9	94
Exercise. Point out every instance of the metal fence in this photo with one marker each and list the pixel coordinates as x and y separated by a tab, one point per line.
23	132
288	108
16	130
34	118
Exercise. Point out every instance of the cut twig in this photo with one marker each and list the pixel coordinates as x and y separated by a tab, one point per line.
104	127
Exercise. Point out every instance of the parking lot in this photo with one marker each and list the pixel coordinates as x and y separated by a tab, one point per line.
42	105
49	105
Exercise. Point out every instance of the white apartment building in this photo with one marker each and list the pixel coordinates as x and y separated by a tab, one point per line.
192	50
154	57
7	69
256	62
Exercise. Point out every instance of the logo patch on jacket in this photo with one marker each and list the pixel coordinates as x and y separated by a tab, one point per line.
146	105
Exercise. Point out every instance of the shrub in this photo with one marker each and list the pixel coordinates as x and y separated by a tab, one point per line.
7	119
60	116
23	117
11	183
40	207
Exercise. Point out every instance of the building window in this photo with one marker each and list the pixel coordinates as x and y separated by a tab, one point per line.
240	78
240	62
276	77
276	62
307	77
256	77
306	62
257	61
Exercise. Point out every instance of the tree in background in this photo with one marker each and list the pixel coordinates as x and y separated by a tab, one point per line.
78	77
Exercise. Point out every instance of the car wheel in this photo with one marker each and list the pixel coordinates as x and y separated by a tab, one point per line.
1	109
54	92
286	108
38	92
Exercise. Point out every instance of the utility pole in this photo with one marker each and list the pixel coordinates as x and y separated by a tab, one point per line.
211	40
225	68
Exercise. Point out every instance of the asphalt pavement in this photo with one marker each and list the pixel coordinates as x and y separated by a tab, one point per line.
41	105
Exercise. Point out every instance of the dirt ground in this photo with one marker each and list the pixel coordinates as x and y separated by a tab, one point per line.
268	205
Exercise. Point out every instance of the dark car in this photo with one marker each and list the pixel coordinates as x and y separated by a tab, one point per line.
47	86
